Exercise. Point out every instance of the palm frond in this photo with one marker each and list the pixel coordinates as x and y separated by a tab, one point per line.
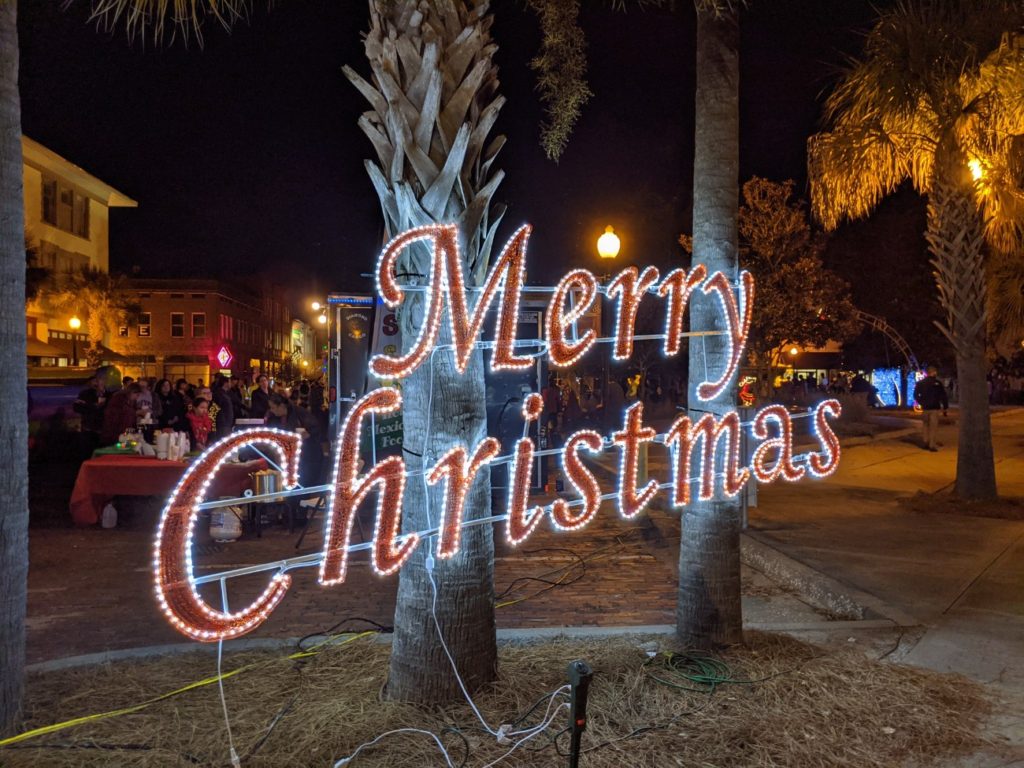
934	74
991	132
1006	297
152	19
561	67
851	170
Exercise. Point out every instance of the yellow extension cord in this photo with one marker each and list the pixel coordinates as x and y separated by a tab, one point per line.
55	727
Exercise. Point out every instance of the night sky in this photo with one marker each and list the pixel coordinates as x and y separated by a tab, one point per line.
245	155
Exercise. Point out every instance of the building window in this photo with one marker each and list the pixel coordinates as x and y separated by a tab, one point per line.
50	201
198	325
144	324
198	295
177	295
65	208
80	216
177	325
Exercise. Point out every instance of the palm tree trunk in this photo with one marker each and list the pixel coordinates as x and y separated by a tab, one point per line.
13	423
708	610
956	241
442	408
434	98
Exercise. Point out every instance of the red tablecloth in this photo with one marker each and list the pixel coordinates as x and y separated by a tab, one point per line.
101	479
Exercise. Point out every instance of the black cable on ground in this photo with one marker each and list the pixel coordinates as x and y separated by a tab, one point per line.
103	746
465	743
334	629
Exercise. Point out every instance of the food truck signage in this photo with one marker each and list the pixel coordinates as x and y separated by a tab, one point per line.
705	455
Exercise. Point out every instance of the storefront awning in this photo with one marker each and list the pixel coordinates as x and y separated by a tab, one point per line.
66	349
37	348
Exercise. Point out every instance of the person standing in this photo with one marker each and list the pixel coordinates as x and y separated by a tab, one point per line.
283	414
121	413
931	396
89	405
200	424
260	398
225	419
169	407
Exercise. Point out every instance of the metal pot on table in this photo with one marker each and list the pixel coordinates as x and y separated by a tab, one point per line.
267	482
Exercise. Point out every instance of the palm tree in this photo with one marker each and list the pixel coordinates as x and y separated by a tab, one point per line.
938	99
708	607
433	98
13	381
433	101
99	296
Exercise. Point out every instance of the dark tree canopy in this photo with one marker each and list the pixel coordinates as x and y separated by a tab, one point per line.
797	300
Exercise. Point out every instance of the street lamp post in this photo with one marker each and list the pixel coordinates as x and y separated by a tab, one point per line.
74	324
608	246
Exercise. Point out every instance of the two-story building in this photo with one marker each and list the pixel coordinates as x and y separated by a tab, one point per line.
67	228
194	329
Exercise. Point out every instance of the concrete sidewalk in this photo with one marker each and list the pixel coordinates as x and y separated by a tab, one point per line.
961	577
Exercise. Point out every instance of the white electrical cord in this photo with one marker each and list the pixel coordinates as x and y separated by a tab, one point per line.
235	760
526	733
361	747
533	732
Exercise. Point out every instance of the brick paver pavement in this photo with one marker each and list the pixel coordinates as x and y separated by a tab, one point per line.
91	590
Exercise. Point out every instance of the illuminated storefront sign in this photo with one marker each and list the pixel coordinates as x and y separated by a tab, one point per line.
224	357
692	445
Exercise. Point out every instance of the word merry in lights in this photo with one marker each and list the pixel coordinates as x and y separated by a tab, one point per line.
693	445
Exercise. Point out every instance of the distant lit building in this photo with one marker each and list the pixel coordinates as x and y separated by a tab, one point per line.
67	228
194	329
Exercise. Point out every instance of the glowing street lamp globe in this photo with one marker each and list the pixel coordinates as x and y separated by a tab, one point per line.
608	244
322	319
793	351
74	323
316	306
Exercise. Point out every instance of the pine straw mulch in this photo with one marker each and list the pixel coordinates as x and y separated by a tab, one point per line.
945	503
807	706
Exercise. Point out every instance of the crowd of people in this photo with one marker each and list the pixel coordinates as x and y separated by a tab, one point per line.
204	413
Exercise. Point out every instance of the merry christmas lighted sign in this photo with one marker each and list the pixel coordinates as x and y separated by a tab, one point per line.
446	299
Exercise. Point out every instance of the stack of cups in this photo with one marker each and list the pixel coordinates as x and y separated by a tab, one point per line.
162	444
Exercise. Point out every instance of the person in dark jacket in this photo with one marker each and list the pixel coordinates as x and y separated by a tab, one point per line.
260	401
120	414
225	421
284	415
89	405
931	396
169	407
237	402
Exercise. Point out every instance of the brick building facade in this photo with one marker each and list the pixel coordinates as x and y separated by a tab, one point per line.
194	329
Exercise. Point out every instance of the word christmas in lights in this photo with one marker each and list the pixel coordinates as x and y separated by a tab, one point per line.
692	446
